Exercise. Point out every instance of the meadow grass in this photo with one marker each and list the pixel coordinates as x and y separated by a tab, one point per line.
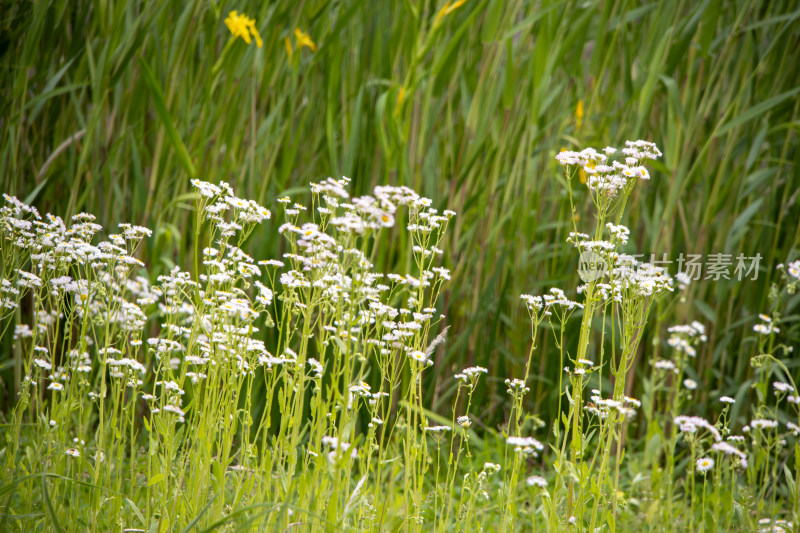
113	108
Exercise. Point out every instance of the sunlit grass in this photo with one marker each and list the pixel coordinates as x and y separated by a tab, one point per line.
112	109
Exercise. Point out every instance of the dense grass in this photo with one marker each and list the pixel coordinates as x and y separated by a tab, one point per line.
111	108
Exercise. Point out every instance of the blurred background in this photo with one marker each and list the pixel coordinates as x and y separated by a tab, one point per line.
112	107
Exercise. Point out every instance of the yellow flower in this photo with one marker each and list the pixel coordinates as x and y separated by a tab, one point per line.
401	95
244	27
446	10
579	115
303	39
288	46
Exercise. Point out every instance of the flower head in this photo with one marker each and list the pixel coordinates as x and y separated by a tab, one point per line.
244	27
536	481
704	464
303	39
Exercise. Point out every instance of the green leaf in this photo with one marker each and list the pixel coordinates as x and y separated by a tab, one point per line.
455	41
739	226
197	518
508	74
612	524
7	506
166	119
135	510
491	21
51	512
674	97
706	310
757	179
538	13
756	111
140	29
39	101
653	71
790	482
48	92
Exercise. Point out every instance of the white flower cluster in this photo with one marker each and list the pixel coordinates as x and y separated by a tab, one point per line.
219	199
638	279
536	481
602	407
210	319
684	337
771	525
766	326
331	265
56	250
338	448
762	423
365	213
607	178
782	388
74	280
471	374
516	387
690	424
618	232
545	304
731	450
525	445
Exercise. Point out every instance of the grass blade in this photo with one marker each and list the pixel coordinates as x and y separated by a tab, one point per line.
166	119
51	512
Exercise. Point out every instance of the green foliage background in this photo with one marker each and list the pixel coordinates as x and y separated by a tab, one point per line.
111	107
